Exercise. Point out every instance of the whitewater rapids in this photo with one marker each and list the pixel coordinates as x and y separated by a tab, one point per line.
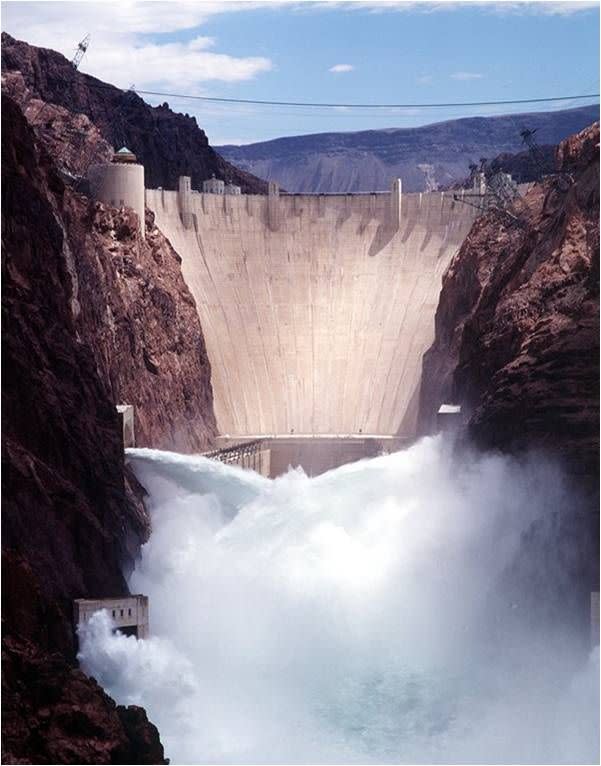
357	617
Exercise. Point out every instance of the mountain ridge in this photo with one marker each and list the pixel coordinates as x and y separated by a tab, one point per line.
426	158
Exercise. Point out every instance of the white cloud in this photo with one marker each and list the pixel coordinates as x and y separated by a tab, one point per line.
535	7
424	79
545	8
178	66
466	76
337	68
120	50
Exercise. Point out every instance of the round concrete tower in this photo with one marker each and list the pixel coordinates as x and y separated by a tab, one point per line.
120	183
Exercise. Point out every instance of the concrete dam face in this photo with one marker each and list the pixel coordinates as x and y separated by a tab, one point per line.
316	309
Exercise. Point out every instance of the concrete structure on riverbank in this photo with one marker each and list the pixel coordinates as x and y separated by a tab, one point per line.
128	613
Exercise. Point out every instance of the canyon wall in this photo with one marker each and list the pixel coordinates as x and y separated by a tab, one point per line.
517	345
316	309
93	315
139	319
517	327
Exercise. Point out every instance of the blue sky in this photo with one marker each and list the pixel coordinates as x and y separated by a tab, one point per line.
381	52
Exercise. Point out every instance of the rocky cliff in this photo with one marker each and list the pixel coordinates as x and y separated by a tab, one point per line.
166	143
93	315
72	139
137	316
517	326
52	713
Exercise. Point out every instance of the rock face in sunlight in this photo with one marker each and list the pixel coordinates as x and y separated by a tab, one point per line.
140	321
166	143
72	137
66	519
517	326
130	304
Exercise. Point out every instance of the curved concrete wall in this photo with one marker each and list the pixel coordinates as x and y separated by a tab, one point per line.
119	184
316	309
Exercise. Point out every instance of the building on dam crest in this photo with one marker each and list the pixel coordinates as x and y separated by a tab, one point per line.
217	186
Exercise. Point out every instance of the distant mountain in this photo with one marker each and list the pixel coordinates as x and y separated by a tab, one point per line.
426	158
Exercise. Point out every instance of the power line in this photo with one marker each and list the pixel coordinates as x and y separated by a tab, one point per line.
367	106
325	105
394	115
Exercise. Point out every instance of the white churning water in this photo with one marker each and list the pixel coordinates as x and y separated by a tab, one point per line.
351	618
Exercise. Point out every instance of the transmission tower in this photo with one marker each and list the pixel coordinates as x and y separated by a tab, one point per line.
529	140
564	180
75	61
80	52
498	192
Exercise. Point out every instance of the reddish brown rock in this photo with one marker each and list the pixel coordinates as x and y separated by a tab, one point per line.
517	345
166	143
517	326
66	519
72	139
92	315
140	320
68	718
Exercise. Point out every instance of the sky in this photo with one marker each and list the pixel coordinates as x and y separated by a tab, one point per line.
326	52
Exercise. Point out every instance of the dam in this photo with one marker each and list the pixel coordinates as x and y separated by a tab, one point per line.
316	309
